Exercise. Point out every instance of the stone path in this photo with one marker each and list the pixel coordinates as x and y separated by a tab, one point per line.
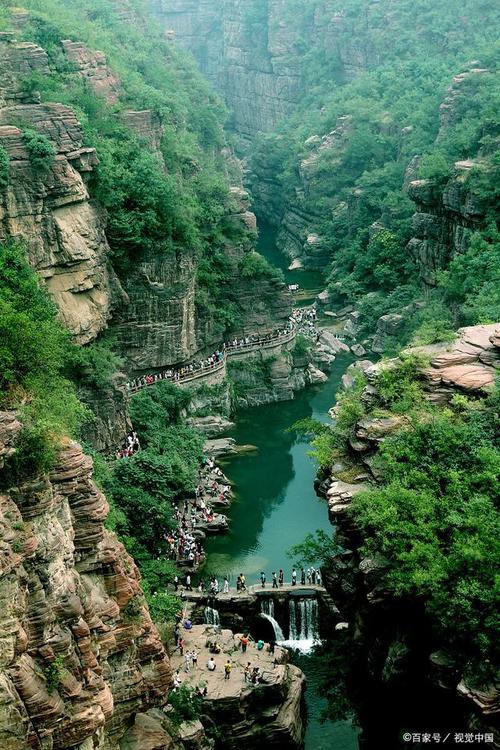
255	590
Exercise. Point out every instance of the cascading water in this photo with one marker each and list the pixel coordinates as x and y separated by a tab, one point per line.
303	623
211	616
267	611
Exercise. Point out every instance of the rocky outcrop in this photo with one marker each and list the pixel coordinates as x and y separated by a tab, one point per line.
268	714
470	364
256	383
48	207
80	658
448	215
93	67
445	220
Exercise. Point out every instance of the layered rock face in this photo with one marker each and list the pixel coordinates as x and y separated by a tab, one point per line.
259	83
80	657
50	208
446	216
251	51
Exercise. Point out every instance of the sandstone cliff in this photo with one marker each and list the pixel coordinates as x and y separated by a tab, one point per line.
50	209
80	658
252	51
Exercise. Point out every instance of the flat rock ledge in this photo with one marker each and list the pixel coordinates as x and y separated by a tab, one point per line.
268	714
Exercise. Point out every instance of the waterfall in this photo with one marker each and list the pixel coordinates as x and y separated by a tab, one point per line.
303	631
211	616
267	611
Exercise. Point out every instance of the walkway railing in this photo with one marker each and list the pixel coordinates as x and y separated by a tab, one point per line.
202	371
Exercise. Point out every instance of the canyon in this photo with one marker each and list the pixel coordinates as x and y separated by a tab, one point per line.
83	664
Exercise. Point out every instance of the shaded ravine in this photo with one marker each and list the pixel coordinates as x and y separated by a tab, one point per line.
276	505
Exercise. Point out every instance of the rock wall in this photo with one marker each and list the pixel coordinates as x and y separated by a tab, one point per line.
80	659
252	51
394	636
446	215
50	209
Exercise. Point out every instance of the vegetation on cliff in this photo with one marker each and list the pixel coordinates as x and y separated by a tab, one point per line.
35	351
375	115
166	192
432	517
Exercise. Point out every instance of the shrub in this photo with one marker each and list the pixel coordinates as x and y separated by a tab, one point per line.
53	673
41	151
4	168
254	265
186	704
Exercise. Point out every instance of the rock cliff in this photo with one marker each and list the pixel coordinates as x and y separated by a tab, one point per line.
393	633
447	215
253	51
80	657
50	208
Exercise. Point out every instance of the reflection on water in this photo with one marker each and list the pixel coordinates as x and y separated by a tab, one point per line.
310	282
275	507
275	500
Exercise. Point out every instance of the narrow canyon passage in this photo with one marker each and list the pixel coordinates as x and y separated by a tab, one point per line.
276	505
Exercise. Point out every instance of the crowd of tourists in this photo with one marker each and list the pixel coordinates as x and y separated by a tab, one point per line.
130	446
305	319
176	374
213	587
195	515
311	576
252	674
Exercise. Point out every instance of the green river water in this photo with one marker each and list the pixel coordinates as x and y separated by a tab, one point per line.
276	506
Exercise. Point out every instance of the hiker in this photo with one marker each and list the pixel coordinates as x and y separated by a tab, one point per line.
308	575
318	577
294	577
188	583
243	582
187	661
281	577
181	646
246	672
194	658
263	579
244	642
302	577
226	585
211	664
313	576
272	646
227	669
176	583
177	680
275	580
260	644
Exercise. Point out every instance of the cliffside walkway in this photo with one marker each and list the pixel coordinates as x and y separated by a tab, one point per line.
200	371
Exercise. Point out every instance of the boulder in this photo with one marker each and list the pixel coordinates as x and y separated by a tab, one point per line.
387	327
316	376
210	426
331	343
